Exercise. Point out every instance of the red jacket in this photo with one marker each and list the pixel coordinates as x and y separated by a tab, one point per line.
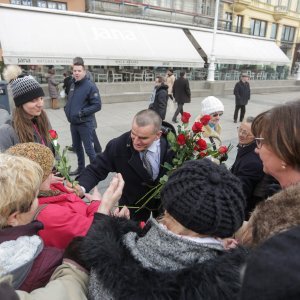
64	216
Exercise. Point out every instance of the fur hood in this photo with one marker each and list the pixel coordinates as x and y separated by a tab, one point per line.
120	276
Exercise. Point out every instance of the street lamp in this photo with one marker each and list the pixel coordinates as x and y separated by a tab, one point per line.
212	67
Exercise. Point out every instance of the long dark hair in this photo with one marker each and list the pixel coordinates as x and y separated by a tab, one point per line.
23	126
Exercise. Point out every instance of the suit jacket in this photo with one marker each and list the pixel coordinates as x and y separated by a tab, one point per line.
120	156
242	93
181	90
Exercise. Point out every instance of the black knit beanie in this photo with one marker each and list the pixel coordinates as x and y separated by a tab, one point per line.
25	89
205	197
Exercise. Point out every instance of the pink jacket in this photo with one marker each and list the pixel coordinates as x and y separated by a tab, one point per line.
64	216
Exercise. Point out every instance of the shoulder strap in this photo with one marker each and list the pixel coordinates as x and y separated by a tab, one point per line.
39	209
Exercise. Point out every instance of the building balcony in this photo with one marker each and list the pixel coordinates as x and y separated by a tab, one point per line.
240	5
280	12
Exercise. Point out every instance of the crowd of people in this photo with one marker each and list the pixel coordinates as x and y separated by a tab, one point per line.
214	232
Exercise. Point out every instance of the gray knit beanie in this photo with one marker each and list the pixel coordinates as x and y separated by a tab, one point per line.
24	88
205	197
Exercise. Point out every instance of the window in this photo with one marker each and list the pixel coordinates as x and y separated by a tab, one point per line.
288	33
61	6
228	22
239	24
42	4
21	2
274	31
258	27
52	5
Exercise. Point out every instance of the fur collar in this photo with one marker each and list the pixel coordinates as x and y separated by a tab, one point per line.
122	276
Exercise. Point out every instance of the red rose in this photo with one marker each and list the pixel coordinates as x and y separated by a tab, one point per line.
53	134
202	144
185	117
205	119
181	139
197	127
202	154
223	150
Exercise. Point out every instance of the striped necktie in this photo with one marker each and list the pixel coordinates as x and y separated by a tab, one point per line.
146	163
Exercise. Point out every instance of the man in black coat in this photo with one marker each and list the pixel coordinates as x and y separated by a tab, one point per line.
159	97
181	93
247	166
242	95
126	155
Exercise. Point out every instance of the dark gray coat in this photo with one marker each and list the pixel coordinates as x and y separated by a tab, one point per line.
181	90
242	93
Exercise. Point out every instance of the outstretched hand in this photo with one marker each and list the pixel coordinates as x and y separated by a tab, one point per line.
112	195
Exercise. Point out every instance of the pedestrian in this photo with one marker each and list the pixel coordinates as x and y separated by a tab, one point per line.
182	254
83	102
130	154
181	93
67	82
53	89
159	97
242	96
248	166
170	79
96	142
29	121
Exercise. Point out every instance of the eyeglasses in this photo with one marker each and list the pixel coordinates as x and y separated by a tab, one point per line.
259	142
217	114
243	132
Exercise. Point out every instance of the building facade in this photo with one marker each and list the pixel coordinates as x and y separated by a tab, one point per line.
271	19
78	5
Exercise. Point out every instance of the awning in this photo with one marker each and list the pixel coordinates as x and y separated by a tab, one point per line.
37	37
240	49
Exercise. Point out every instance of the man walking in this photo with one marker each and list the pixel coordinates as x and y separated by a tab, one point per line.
170	79
83	102
242	95
138	155
182	94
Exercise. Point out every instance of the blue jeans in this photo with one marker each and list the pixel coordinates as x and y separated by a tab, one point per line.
83	133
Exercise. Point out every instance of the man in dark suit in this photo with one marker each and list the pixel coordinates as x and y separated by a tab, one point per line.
181	93
126	155
242	96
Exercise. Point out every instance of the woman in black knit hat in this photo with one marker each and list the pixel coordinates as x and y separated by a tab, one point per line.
29	122
182	254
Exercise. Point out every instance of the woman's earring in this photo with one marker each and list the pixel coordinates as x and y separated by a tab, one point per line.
283	165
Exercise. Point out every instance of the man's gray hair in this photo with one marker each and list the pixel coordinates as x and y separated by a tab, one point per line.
148	117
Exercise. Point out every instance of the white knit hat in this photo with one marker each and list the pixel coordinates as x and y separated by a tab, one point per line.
210	105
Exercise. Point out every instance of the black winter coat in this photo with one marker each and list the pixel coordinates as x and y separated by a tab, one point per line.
123	277
181	90
161	100
83	101
242	93
120	156
248	168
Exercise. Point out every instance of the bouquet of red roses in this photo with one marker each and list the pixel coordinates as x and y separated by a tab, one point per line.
61	160
189	144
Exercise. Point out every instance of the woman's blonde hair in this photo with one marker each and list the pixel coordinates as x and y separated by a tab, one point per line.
20	179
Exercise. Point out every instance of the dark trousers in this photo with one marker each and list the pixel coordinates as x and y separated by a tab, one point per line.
83	134
171	97
178	110
97	146
236	112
